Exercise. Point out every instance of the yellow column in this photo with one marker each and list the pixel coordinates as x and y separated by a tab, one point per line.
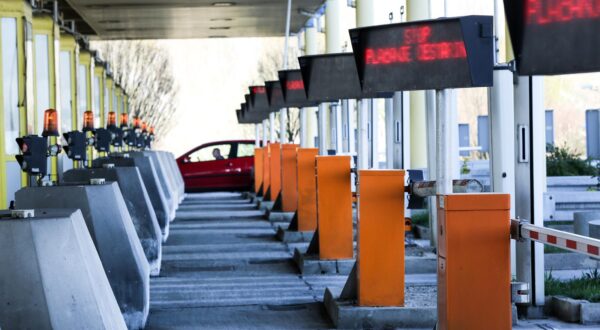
99	75
46	38
68	108
418	10
16	107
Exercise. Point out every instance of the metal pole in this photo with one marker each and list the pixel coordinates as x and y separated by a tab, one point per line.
390	133
256	135
374	145
530	179
401	130
283	125
351	126
501	123
345	126
419	10
444	130
264	131
322	112
337	110
311	40
363	135
273	135
365	16
283	112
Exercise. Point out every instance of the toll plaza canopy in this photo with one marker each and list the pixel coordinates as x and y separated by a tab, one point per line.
117	19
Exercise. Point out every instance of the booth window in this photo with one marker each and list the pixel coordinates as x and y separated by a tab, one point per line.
106	103
66	92
42	79
10	84
82	78
97	101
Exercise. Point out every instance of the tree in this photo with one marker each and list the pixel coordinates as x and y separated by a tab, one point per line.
143	69
268	68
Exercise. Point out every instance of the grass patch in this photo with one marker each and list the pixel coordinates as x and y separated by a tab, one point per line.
421	219
553	249
586	287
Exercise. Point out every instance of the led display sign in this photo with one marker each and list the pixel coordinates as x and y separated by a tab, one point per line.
292	88
331	77
275	95
258	98
554	36
435	54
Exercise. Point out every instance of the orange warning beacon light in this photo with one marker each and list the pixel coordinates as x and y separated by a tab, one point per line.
151	130
137	123
144	127
124	120
50	123
88	121
111	120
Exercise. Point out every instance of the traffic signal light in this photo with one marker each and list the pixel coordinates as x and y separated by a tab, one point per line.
33	157
76	145
103	139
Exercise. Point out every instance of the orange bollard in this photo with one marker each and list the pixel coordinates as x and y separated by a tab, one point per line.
275	170
381	224
474	262
266	173
307	189
334	207
258	171
289	183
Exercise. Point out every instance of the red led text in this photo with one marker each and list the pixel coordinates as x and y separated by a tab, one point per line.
417	47
541	12
294	85
258	90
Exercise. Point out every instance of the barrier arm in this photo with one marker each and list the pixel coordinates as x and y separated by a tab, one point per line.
522	230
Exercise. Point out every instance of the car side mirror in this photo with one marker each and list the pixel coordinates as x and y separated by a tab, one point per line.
187	160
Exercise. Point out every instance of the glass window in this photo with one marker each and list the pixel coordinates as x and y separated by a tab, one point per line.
106	103
66	101
97	101
42	79
245	150
82	77
210	153
115	108
10	84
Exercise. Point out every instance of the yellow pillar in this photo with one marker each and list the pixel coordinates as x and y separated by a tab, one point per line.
99	107
84	85
46	38
418	10
16	92
68	82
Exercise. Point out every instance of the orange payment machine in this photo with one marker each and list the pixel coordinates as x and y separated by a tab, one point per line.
474	289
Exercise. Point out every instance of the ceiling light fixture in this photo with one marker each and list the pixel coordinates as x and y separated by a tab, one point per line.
219	27
223	4
221	19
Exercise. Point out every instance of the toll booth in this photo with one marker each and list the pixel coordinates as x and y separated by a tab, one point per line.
17	92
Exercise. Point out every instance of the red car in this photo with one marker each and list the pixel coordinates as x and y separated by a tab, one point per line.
223	165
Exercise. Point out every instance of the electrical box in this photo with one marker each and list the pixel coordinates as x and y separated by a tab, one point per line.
474	262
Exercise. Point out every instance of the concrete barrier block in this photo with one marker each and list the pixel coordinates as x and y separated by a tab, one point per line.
114	236
582	220
590	313
51	276
149	175
169	192
138	204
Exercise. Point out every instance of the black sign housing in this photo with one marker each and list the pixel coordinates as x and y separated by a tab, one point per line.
433	54
331	77
275	95
554	37
292	87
